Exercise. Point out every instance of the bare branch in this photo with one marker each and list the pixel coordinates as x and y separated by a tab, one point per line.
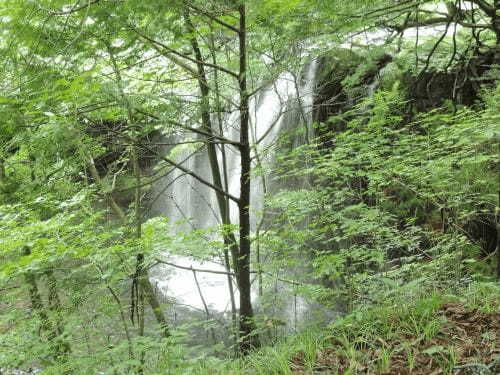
182	55
194	130
400	7
193	269
74	10
192	174
485	7
213	18
190	268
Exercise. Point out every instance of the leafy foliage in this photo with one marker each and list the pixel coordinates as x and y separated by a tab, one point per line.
393	201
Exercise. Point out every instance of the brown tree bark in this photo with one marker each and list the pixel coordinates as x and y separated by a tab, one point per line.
61	348
496	28
145	284
222	200
2	171
55	307
249	339
145	287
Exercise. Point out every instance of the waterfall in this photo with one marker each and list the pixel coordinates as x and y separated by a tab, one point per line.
281	106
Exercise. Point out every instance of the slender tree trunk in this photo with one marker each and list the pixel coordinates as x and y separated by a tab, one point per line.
226	187
2	171
53	298
206	121
205	306
55	308
141	274
248	339
497	223
144	283
36	300
223	201
54	332
496	28
60	347
122	316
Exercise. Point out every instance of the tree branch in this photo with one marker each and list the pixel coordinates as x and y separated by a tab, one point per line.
194	175
190	268
177	53
74	10
485	7
194	130
213	18
193	269
423	23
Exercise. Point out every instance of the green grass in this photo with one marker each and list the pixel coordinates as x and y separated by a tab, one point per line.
369	330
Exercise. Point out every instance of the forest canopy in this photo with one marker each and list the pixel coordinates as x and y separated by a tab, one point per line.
249	187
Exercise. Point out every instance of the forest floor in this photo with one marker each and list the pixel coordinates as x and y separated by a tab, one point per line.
456	339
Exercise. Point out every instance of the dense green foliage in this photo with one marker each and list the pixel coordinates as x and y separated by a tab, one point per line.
374	215
397	200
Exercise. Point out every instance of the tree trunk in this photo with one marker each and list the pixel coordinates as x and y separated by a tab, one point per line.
2	171
36	300
145	286
60	347
55	308
496	61
223	201
234	252
248	339
496	28
144	282
497	223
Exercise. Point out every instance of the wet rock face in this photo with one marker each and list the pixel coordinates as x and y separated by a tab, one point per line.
333	97
431	89
339	86
460	84
113	135
330	97
114	160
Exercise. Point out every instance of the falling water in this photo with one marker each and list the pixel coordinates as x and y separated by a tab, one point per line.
281	106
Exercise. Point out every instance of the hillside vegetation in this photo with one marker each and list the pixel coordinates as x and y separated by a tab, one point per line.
249	187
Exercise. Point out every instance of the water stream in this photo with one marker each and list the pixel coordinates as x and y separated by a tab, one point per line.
277	108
